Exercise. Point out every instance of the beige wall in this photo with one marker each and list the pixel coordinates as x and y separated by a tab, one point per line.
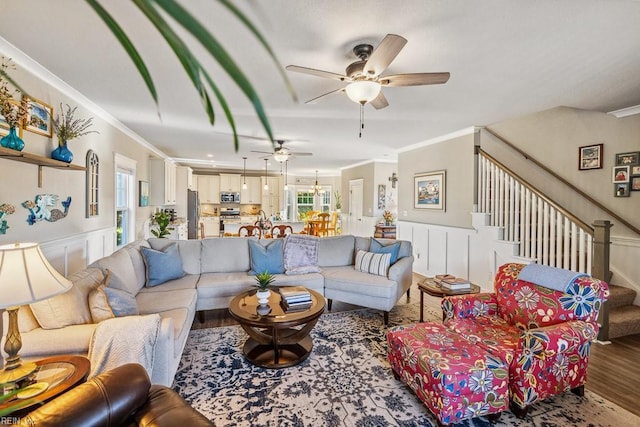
19	181
553	137
456	157
365	172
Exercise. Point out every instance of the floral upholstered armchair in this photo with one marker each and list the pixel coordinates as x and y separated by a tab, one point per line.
543	334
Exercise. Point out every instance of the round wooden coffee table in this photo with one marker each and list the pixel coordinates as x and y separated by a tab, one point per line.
429	286
275	341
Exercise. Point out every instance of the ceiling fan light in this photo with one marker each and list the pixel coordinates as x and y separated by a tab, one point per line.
363	91
280	157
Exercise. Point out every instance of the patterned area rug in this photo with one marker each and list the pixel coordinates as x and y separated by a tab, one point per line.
346	381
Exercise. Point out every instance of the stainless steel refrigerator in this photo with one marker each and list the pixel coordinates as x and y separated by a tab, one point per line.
192	213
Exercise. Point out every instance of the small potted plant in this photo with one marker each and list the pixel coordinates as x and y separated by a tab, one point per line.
162	220
338	201
263	280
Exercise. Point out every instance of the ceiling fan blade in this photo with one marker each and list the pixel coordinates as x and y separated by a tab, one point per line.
414	79
300	154
380	102
318	98
262	152
318	73
384	54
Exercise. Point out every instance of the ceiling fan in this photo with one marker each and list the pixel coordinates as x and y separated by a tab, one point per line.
282	153
364	76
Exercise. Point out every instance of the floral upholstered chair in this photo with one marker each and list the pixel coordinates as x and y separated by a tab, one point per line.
543	334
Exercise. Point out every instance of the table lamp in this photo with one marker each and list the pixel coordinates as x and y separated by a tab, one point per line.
25	277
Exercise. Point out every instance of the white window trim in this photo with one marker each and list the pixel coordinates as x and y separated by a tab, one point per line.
123	162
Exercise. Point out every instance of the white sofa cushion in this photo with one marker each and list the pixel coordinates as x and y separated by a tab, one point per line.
355	282
123	274
336	251
72	339
155	302
187	281
71	307
313	281
225	255
134	250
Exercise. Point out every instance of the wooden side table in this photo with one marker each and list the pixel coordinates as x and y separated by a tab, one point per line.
62	373
385	231
430	287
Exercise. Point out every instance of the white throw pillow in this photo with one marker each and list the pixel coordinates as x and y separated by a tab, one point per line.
372	263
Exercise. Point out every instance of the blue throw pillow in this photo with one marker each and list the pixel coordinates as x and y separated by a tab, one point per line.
162	266
378	248
267	257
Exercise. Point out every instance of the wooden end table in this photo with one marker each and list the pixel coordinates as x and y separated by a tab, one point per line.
274	342
429	286
62	373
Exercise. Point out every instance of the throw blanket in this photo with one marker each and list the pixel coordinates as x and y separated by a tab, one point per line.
121	340
549	277
301	254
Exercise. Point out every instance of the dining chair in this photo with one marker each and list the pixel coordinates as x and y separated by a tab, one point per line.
250	231
333	224
322	227
281	231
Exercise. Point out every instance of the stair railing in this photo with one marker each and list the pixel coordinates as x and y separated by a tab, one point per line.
544	230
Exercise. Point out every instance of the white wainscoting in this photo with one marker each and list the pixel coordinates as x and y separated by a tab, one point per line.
477	253
75	252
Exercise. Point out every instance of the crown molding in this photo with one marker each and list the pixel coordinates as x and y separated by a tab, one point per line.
462	132
33	67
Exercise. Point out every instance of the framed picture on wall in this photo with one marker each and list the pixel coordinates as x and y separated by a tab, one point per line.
621	190
430	190
635	170
621	174
590	157
628	159
39	118
143	191
635	183
382	196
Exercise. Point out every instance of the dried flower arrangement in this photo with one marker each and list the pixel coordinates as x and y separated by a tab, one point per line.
68	128
388	217
13	111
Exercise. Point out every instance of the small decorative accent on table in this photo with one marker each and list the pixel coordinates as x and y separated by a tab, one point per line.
274	342
385	231
430	286
52	377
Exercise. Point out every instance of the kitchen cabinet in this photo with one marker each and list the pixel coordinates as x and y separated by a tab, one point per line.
230	182
179	232
162	182
253	193
209	188
211	226
273	196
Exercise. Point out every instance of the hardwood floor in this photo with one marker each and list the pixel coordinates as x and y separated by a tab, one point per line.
613	372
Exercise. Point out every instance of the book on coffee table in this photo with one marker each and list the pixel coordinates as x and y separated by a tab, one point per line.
293	291
455	283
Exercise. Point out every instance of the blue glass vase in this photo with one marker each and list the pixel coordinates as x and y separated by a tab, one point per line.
12	141
62	153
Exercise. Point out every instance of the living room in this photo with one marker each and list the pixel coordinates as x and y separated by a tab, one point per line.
550	127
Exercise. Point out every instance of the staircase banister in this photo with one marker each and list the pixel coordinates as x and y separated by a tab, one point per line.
572	217
565	182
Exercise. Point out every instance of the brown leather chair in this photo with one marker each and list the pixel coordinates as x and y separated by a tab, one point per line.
122	396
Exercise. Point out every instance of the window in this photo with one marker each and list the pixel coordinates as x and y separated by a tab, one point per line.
125	203
305	201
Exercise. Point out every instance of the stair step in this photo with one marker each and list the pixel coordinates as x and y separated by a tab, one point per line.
624	321
620	296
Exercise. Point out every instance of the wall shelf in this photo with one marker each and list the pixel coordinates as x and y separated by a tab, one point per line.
20	156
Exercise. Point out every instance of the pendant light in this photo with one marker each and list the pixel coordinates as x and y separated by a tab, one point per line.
316	189
266	184
286	178
244	174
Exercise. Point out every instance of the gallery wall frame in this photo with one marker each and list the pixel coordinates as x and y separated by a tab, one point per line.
628	159
39	117
590	157
143	193
430	190
621	174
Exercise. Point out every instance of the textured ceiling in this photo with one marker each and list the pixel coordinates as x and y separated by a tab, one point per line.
506	58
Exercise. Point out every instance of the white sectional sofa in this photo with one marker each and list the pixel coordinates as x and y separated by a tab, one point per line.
215	270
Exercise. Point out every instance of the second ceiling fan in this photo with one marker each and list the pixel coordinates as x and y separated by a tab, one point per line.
364	76
282	153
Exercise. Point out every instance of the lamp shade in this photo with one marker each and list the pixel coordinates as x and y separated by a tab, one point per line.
281	156
26	276
363	91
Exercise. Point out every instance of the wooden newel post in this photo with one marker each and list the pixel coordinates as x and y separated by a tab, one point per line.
600	269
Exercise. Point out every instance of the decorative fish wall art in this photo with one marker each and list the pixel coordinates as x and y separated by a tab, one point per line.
5	209
41	208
